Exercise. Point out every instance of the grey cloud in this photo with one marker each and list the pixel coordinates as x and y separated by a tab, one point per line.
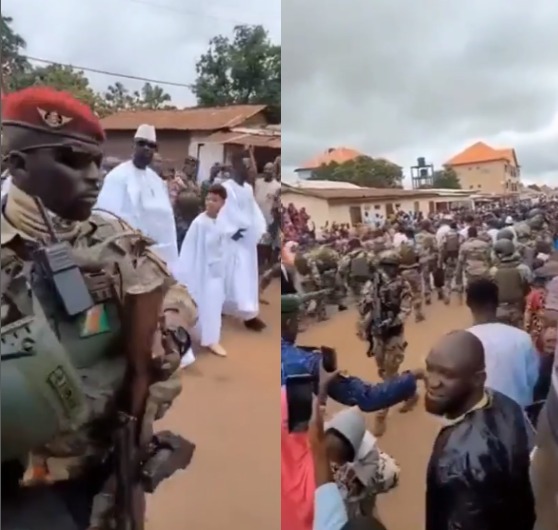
389	75
158	39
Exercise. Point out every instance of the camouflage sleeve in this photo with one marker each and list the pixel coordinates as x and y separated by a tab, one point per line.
406	301
269	275
526	273
315	273
344	264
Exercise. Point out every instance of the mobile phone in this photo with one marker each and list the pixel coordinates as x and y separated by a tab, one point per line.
329	359
300	395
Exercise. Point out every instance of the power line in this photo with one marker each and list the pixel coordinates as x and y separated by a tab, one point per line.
107	73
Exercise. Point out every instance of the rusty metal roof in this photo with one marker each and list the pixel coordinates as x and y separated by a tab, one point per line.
241	138
190	119
371	194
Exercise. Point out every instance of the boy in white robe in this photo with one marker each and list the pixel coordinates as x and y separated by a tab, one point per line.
134	192
244	224
201	267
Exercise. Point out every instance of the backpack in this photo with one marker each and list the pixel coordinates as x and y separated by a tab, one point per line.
511	287
360	267
451	245
408	254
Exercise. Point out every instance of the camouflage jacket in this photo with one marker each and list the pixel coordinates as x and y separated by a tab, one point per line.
475	257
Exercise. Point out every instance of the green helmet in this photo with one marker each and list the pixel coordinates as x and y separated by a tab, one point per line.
505	233
504	248
536	222
390	257
534	212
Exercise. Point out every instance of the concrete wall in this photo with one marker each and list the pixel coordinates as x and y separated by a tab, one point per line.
489	177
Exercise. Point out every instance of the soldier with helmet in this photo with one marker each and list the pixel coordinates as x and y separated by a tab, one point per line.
514	279
448	259
427	249
356	267
78	290
385	304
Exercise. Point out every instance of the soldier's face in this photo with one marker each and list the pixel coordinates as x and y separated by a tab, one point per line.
66	178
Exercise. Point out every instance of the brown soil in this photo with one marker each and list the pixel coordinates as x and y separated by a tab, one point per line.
230	409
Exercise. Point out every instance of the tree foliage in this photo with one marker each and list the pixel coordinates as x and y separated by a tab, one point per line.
362	171
446	178
14	62
243	70
19	74
117	97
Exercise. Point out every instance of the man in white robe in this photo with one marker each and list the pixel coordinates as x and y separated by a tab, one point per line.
201	267
134	192
243	223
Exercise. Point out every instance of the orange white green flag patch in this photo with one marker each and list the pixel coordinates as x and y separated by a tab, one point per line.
95	321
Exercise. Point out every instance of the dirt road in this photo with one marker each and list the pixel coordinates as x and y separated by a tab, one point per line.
410	436
230	409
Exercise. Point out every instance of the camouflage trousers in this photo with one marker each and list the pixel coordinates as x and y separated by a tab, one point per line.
354	288
389	355
511	314
425	272
450	276
413	276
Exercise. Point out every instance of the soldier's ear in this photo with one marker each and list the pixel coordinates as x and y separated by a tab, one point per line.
16	162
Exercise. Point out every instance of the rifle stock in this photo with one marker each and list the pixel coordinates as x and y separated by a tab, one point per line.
142	309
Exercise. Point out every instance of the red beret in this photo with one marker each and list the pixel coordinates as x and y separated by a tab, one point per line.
51	113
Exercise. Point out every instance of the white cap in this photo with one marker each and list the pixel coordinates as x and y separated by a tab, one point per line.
509	220
147	133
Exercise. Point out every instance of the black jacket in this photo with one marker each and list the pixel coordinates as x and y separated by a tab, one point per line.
478	475
287	282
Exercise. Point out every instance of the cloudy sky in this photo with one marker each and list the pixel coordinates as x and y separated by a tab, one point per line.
402	79
157	39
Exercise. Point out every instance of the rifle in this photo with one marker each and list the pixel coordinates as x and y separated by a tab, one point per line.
142	460
376	325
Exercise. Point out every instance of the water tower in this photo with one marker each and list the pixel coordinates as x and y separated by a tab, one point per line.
422	174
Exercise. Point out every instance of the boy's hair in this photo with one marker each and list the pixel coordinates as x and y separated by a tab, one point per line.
219	190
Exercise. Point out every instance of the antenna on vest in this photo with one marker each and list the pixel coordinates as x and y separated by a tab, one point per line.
47	220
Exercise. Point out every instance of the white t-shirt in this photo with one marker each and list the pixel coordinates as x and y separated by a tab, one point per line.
264	194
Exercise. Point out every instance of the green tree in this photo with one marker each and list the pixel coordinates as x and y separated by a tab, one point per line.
243	70
362	171
152	97
446	178
14	63
63	78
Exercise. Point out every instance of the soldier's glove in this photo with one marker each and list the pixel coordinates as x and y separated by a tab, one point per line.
168	453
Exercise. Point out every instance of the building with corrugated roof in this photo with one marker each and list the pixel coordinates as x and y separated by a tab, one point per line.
210	134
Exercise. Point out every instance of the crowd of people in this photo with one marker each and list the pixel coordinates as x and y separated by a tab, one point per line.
115	274
495	463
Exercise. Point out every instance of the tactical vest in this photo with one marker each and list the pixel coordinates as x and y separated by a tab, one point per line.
60	373
360	267
511	286
451	245
408	255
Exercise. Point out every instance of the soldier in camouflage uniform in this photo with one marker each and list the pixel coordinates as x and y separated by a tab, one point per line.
514	280
318	270
427	250
410	270
356	267
61	399
448	259
385	304
475	259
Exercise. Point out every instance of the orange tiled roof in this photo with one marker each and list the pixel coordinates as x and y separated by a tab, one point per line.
191	119
481	152
334	154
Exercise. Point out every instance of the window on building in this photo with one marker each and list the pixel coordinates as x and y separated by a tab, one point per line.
355	213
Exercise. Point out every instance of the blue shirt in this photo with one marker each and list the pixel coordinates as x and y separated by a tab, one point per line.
347	390
329	508
512	362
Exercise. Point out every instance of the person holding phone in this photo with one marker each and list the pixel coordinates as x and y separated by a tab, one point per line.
347	390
